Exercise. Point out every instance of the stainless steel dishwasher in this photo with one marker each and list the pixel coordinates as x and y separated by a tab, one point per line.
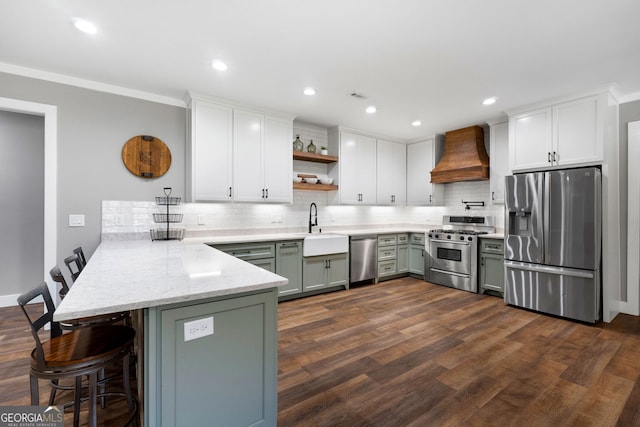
363	251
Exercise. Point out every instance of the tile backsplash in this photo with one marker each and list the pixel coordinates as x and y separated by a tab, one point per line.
134	219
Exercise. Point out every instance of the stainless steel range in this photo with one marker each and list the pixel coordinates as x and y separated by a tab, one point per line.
451	257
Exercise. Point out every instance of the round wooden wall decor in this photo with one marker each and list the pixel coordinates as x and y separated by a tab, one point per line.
146	156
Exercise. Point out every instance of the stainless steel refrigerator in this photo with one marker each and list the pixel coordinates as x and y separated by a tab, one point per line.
553	242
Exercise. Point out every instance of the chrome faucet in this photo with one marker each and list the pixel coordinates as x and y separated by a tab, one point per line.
313	223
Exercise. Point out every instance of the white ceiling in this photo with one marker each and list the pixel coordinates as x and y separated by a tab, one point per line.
433	60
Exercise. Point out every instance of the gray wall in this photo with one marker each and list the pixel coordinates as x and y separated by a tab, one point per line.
21	201
92	128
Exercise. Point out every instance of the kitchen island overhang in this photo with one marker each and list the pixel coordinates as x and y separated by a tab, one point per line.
188	380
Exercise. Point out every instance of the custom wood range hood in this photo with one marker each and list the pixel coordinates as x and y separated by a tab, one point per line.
464	158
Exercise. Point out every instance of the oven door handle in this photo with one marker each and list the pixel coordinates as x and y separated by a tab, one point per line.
451	273
453	242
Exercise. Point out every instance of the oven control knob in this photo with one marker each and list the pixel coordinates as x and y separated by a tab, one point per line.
430	236
469	238
437	236
449	236
461	237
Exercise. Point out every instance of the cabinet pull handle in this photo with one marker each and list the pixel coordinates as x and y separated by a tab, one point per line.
229	191
267	191
555	157
423	253
481	260
493	197
429	198
289	245
329	263
549	156
263	193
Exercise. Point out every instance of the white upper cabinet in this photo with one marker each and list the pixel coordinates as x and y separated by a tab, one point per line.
560	135
238	154
499	160
391	173
421	159
262	158
209	152
356	169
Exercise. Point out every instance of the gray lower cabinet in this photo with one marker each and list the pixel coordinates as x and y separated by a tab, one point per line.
402	264
289	265
228	377
491	265
325	271
416	254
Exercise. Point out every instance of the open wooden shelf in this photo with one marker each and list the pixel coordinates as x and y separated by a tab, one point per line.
314	187
313	157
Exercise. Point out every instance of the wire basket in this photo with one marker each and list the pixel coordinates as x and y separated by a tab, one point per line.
164	201
163	217
164	234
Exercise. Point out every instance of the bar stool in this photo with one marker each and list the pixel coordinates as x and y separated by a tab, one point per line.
103	319
80	352
78	251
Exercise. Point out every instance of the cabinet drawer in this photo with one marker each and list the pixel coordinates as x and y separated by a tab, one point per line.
402	238
249	251
385	253
386	268
417	238
387	240
493	246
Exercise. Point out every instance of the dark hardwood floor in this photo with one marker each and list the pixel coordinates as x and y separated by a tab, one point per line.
409	353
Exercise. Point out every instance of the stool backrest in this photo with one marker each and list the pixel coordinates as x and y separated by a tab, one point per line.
39	322
75	266
78	251
58	277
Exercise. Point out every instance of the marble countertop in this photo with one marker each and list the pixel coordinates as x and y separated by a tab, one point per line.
129	275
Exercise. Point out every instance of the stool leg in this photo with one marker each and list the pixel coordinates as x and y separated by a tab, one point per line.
35	391
54	388
126	379
76	402
93	390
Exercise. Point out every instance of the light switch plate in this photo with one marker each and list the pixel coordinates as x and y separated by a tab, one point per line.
198	328
76	220
200	219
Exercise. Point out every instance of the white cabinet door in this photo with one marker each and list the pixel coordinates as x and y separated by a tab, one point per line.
530	140
210	152
499	160
384	172
349	193
278	160
357	169
577	132
421	159
399	174
366	167
247	156
391	173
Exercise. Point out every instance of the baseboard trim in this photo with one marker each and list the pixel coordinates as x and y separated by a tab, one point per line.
12	300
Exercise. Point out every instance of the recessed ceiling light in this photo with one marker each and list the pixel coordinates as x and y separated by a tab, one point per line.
309	91
490	101
218	65
85	26
416	123
371	109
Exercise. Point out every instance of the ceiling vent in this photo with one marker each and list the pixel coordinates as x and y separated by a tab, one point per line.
358	95
464	158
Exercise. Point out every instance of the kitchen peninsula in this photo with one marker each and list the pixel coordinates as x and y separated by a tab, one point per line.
210	328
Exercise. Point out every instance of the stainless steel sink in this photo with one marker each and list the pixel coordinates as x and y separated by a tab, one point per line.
325	244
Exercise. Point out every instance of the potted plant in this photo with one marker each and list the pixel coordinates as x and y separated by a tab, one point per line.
324	151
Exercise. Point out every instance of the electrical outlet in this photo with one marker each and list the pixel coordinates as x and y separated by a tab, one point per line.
76	220
198	328
200	219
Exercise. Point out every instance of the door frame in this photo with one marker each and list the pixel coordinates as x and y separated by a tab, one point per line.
50	114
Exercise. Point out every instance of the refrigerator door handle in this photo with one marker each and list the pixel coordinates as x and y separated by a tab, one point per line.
545	222
550	270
